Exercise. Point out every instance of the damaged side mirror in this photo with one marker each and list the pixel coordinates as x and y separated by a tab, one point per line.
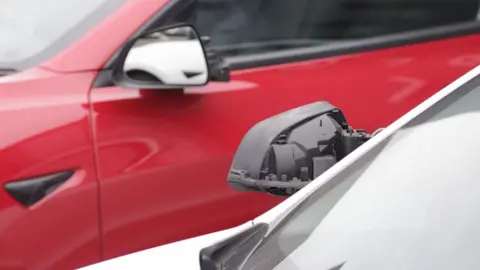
284	153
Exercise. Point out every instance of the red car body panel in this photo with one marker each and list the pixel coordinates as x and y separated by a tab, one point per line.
151	165
47	129
163	156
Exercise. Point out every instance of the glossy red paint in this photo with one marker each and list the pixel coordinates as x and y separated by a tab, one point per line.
151	165
46	128
163	156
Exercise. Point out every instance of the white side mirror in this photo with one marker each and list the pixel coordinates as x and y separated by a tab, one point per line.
167	57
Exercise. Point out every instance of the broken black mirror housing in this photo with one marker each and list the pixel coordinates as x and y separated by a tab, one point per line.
284	153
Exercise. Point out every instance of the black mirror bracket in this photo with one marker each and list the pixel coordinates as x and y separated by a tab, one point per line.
219	69
286	152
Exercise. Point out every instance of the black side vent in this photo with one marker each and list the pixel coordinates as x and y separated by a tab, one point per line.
30	191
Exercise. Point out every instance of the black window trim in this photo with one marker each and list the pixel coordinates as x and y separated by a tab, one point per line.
354	46
174	7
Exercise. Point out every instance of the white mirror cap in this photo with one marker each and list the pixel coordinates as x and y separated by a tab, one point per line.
172	61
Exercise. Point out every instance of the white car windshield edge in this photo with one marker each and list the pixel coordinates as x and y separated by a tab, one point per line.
431	138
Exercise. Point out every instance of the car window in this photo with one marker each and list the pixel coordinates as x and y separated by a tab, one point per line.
411	202
240	27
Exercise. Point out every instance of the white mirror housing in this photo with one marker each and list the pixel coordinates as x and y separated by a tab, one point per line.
166	58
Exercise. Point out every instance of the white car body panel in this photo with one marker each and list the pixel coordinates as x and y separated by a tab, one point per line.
168	60
162	256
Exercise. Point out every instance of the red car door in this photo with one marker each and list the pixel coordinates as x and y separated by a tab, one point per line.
163	155
49	204
49	197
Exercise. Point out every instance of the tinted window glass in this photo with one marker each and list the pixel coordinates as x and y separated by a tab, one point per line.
252	26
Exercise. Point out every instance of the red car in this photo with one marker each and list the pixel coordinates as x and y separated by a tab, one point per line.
93	168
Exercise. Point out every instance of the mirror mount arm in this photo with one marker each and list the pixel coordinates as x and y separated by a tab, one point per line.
219	70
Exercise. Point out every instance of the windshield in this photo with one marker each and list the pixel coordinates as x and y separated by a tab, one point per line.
35	30
412	202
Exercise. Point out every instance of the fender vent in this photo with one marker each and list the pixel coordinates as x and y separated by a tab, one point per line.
30	191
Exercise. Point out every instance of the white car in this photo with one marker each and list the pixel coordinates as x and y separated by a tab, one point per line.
409	198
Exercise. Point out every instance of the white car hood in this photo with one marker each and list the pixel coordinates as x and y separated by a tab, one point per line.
179	255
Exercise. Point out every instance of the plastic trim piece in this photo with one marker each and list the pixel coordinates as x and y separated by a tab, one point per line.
250	154
353	46
234	251
30	191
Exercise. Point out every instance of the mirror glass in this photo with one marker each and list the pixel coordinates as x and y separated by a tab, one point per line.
173	56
